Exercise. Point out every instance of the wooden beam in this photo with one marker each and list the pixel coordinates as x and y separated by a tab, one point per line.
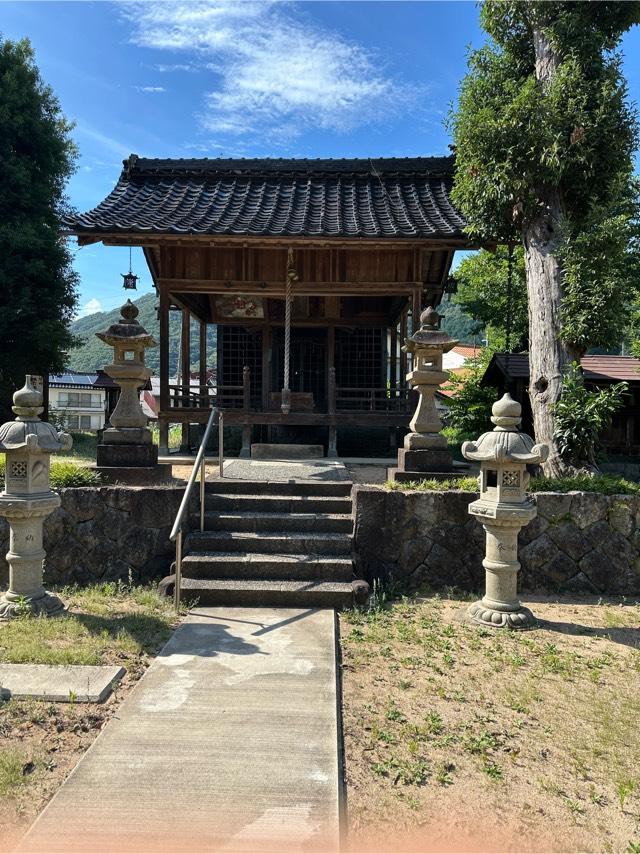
270	289
267	242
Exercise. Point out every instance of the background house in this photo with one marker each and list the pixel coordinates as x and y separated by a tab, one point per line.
77	402
511	373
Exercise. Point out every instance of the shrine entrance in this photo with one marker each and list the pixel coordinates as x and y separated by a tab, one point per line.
308	378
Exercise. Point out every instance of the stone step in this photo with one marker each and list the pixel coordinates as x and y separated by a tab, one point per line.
314	522
279	542
316	488
265	567
286	594
257	503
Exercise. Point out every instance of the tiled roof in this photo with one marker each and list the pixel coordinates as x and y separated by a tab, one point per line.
388	198
609	368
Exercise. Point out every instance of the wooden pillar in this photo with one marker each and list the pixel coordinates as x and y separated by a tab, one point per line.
266	367
185	358
332	443
163	448
393	358
245	451
416	310
204	400
403	355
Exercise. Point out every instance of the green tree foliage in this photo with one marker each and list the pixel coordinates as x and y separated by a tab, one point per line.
544	140
469	409
37	283
459	324
601	267
582	415
482	293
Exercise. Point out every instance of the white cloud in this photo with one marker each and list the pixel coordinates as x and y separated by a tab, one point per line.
273	71
152	89
91	307
165	68
107	142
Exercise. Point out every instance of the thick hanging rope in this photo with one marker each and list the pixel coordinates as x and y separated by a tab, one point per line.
292	277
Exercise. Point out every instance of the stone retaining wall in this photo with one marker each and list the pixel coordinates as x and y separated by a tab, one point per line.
579	542
106	533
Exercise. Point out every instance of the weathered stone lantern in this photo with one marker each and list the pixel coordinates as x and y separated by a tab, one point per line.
127	442
425	448
26	500
503	508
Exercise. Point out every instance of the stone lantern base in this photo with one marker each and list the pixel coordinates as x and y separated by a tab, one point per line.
13	605
490	614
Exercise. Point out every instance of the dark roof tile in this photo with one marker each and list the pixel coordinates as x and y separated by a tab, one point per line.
391	197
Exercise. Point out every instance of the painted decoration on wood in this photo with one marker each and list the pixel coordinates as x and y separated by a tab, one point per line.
237	305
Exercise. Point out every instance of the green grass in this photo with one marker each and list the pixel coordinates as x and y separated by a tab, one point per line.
15	768
66	473
107	623
605	484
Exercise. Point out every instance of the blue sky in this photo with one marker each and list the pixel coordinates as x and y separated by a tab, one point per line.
245	79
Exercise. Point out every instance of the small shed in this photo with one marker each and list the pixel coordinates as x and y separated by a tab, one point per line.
511	372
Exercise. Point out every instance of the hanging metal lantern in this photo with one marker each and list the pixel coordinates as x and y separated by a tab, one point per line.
130	281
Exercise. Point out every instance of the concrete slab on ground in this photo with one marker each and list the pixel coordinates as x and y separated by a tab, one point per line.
228	743
62	683
273	470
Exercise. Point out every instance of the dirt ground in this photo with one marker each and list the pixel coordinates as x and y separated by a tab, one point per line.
41	742
458	738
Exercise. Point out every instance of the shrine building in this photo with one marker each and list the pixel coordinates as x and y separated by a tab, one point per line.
312	271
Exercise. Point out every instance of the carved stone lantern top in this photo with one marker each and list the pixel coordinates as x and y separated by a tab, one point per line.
429	335
504	454
127	331
505	443
28	431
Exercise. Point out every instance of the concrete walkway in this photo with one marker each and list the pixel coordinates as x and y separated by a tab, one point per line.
278	470
228	743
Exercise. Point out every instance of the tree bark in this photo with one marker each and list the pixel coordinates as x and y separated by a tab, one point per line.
548	355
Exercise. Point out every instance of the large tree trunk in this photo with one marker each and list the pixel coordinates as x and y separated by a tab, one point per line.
548	355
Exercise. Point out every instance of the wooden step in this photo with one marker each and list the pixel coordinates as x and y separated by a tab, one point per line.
266	567
294	594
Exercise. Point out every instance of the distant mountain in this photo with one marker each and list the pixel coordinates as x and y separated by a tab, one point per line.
93	353
460	325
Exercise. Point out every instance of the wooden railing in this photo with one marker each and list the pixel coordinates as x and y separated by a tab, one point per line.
341	399
373	400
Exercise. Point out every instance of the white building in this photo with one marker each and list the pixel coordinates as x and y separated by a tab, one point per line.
73	397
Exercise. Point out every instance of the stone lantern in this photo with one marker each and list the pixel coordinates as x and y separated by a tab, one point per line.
425	452
503	508
27	499
127	442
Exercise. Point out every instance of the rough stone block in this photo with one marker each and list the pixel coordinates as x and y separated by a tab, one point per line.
125	456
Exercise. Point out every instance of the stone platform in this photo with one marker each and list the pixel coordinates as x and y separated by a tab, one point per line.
58	683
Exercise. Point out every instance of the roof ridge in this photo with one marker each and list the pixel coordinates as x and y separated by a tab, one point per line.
135	164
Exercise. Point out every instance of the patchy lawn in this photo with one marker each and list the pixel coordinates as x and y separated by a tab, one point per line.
41	742
458	738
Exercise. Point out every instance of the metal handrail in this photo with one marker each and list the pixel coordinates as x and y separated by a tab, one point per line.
199	465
